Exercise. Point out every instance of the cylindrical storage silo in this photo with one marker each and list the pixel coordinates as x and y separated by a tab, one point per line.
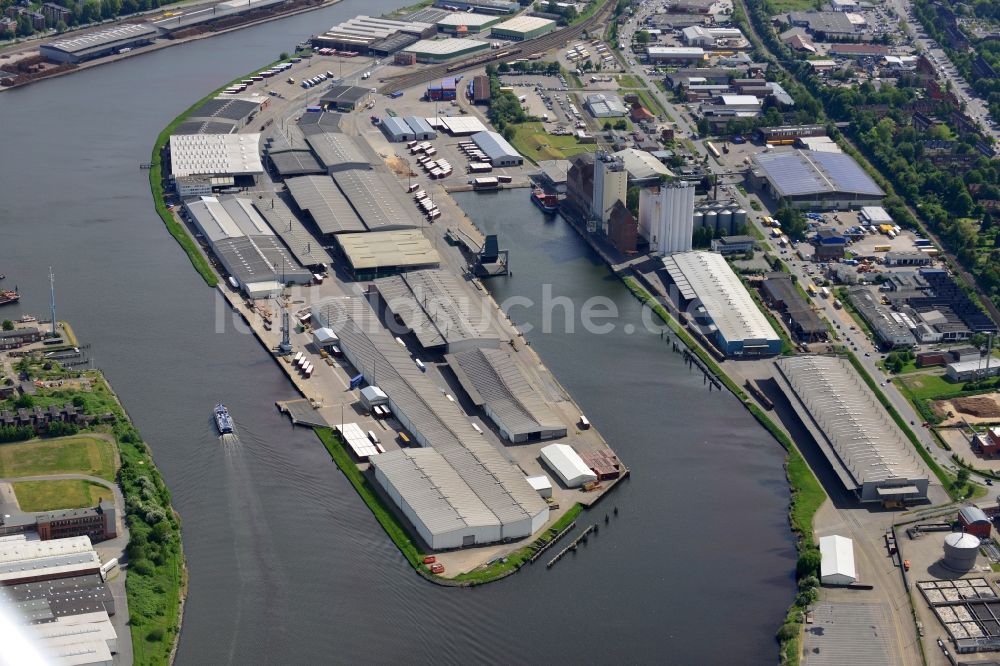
726	221
739	218
699	219
960	551
711	219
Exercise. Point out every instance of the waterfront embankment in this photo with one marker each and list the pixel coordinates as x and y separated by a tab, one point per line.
163	43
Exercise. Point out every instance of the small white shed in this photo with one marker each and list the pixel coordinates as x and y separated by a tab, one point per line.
541	484
373	395
837	564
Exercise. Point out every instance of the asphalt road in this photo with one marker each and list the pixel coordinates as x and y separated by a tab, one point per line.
976	107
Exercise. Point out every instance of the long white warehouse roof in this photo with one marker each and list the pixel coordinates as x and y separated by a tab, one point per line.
867	442
708	277
837	557
435	492
568	464
214	155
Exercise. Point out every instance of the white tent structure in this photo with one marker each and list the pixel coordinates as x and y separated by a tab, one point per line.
837	564
567	464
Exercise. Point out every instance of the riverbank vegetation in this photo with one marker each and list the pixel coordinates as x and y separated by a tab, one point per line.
155	577
159	184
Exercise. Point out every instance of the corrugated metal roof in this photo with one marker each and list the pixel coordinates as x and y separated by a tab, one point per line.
299	240
431	487
407	248
377	199
973	514
709	277
396	128
435	306
868	444
325	202
499	485
494	145
567	462
419	125
337	150
492	379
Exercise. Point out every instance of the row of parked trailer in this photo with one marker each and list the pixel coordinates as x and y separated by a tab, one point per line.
472	151
266	74
426	205
316	80
417	147
303	365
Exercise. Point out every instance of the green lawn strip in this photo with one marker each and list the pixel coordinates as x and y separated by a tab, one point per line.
531	141
651	102
942	476
518	558
175	228
59	494
628	81
932	387
76	454
383	514
402	11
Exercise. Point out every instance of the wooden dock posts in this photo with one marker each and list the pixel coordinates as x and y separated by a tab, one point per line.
572	546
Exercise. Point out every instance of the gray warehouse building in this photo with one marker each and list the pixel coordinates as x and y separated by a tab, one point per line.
507	508
396	129
867	451
98	44
337	152
496	384
815	180
442	313
326	204
497	149
245	245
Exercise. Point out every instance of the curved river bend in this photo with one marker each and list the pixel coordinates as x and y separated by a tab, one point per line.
287	565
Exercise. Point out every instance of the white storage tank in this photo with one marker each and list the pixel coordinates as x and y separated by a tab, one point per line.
960	551
699	219
739	218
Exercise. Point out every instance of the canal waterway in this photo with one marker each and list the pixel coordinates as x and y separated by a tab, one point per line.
286	564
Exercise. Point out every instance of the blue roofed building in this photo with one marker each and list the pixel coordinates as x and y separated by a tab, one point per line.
815	180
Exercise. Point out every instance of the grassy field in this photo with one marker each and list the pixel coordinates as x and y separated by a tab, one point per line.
929	387
629	81
61	494
784	6
77	454
531	141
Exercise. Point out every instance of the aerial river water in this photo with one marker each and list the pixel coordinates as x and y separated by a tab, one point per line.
286	564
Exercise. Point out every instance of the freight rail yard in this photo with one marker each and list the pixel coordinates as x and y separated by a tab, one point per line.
348	258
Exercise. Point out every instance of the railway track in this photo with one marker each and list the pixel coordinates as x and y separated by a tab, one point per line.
526	48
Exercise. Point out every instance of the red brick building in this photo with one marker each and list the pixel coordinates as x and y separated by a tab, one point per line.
99	523
623	230
975	521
